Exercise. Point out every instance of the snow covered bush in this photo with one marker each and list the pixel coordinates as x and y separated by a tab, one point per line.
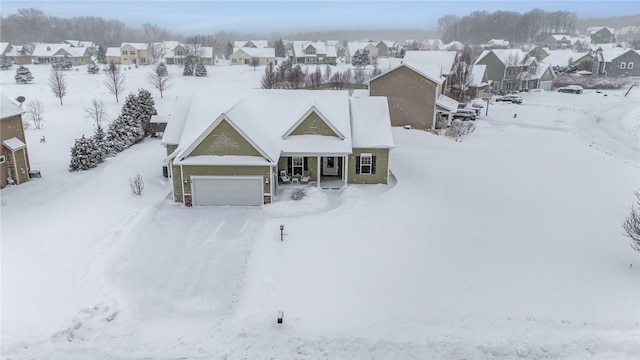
136	184
188	68
23	75
84	155
93	68
459	128
161	69
4	63
201	70
631	224
298	194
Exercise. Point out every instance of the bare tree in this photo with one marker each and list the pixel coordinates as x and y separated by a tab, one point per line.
115	81
97	113
35	110
631	224
136	184
160	79
193	45
57	83
154	33
314	79
462	75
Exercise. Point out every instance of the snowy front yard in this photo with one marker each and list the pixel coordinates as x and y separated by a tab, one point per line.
505	245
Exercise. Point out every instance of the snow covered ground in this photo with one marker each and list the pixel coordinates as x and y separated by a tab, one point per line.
505	245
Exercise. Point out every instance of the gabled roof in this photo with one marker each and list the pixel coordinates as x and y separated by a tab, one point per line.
542	68
137	46
610	55
497	42
170	45
595	29
259	52
371	122
113	51
3	47
354	46
477	76
299	48
304	116
431	72
9	108
47	49
507	56
388	43
447	103
442	59
257	43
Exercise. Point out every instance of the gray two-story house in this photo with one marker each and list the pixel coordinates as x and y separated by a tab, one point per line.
601	34
617	62
515	70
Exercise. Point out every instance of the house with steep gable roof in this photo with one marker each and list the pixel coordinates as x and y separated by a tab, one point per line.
266	139
258	44
602	34
136	53
415	95
14	157
513	70
617	62
312	52
387	48
354	46
244	56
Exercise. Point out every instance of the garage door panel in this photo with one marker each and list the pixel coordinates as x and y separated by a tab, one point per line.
227	191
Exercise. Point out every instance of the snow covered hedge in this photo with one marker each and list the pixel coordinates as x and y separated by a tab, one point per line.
591	82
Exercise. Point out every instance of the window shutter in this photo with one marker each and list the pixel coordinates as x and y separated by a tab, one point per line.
357	164
373	165
289	165
306	164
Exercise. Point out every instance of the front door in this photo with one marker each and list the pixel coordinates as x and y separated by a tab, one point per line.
330	165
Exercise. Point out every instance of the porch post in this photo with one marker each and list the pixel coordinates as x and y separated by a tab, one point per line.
318	183
345	170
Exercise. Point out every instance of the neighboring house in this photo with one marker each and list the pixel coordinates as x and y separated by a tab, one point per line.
53	53
19	55
387	48
181	52
14	157
444	60
514	70
312	52
454	46
241	152
243	56
496	44
415	96
601	34
581	43
259	44
539	52
479	81
93	48
431	45
618	62
113	54
354	46
558	41
136	53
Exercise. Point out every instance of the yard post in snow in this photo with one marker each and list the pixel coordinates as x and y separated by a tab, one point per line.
280	317
281	232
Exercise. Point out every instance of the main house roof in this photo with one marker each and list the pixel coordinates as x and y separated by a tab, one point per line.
512	57
267	117
442	59
9	108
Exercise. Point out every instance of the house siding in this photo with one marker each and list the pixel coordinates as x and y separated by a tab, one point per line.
177	183
411	97
495	70
203	170
224	140
382	167
313	125
613	68
603	36
11	127
171	149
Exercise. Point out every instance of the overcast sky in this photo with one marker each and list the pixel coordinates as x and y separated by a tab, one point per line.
208	16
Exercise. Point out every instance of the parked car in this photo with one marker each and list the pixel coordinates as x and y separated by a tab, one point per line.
465	114
571	89
514	99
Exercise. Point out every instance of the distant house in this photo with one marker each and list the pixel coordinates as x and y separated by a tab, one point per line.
179	54
558	41
227	154
45	53
515	70
312	52
618	62
601	34
431	45
244	56
136	53
415	95
444	60
259	44
539	52
354	46
15	53
454	46
113	54
496	44
387	48
14	157
479	81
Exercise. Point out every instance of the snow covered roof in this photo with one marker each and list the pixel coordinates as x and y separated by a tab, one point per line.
477	76
508	56
595	29
159	119
561	37
443	59
9	108
358	93
454	45
137	46
14	144
47	49
599	47
77	51
354	46
447	103
610	55
257	43
177	118
170	45
388	43
431	72
3	47
259	52
542	68
206	52
80	43
498	42
17	50
371	122
300	46
113	51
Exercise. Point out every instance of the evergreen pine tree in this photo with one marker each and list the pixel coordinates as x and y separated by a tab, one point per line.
229	50
84	155
201	70
102	55
279	49
188	68
99	140
23	75
66	63
4	63
360	59
162	69
146	109
93	68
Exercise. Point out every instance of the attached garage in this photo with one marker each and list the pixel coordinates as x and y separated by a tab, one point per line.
546	85
227	190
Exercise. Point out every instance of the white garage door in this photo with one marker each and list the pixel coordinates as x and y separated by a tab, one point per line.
227	190
545	85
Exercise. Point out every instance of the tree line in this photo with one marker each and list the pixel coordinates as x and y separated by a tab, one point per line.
530	27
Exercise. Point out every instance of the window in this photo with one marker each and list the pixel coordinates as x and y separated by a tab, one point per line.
124	52
143	61
2	159
178	53
365	164
132	52
629	65
233	61
297	164
623	65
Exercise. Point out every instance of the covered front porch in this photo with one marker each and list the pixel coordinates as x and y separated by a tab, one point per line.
322	171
